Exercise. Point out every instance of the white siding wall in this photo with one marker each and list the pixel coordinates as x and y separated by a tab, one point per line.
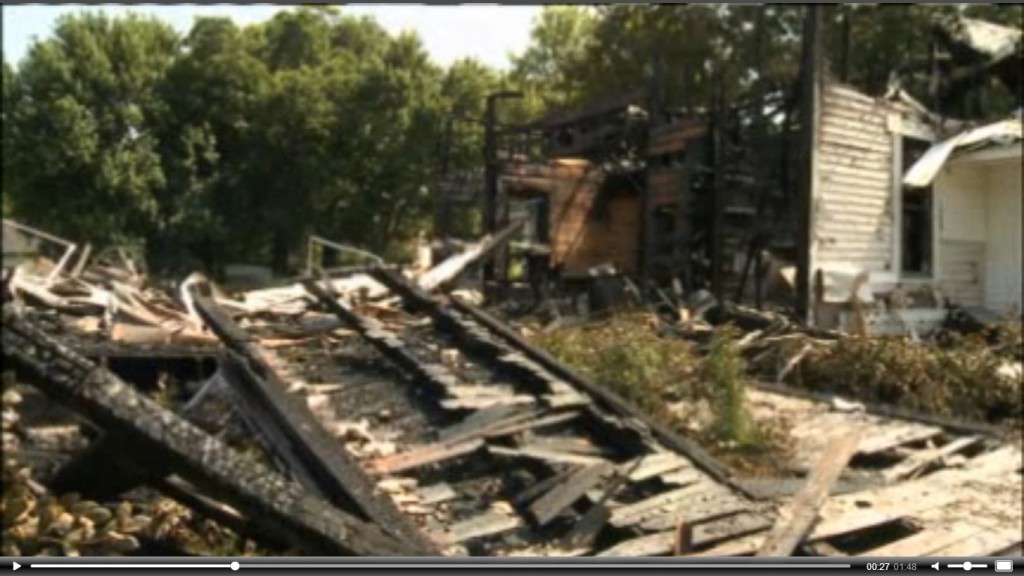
1003	253
960	190
853	220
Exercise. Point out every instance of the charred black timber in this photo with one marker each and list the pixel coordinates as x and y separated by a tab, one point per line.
275	504
612	400
318	460
436	376
471	337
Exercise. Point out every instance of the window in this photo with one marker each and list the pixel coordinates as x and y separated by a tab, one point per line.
916	213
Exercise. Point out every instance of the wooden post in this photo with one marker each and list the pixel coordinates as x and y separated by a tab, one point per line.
810	69
719	191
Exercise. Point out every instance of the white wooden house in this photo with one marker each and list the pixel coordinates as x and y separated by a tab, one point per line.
910	211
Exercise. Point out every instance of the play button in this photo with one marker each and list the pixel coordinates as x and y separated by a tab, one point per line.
16	565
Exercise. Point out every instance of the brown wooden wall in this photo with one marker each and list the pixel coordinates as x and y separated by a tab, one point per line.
591	221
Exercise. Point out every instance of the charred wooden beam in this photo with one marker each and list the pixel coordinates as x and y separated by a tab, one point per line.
470	335
317	459
270	501
810	96
437	376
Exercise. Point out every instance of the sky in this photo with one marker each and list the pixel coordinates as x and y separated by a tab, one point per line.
486	32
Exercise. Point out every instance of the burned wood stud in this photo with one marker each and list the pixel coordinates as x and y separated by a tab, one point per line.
270	501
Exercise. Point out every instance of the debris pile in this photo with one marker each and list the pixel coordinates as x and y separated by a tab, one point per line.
366	412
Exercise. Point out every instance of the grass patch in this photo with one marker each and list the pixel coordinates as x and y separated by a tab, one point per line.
697	395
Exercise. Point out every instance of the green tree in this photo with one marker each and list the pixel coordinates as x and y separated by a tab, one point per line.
82	152
212	93
8	143
560	42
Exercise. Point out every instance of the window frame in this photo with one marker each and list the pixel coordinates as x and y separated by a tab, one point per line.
902	127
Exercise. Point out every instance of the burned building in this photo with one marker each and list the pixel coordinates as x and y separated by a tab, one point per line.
800	198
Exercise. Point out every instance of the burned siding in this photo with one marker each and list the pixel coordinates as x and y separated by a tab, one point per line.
593	219
853	217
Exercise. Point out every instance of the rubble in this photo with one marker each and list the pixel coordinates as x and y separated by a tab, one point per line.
414	422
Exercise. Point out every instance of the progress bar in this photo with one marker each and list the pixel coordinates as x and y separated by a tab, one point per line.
231	566
237	566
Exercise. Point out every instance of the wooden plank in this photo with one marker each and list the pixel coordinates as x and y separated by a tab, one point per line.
437	493
917	461
852	522
482	402
551	505
712	532
891	438
658	544
425	456
907	497
1004	460
663	543
925	542
480	390
796	521
637	512
653	465
586	530
571	444
988	542
545	455
274	504
481	419
552	420
486	524
684	477
696	509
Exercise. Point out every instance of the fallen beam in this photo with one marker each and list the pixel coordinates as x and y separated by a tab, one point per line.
449	271
796	522
311	453
275	504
